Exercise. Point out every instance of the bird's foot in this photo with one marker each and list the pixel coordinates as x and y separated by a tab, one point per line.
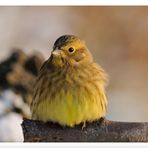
84	125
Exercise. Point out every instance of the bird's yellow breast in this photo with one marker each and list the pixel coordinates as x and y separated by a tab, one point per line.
72	107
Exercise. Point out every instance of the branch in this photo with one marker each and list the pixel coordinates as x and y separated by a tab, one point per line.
99	131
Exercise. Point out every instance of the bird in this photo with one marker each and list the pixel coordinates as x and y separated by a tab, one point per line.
70	88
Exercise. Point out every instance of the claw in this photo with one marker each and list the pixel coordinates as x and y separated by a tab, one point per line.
84	124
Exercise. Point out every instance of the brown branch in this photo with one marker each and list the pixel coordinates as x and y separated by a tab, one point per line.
99	131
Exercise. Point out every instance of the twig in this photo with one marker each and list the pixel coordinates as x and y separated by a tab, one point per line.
99	131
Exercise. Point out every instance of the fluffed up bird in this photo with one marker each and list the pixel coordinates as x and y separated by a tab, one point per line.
70	87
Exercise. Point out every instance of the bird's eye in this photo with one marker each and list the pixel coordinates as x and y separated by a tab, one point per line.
71	50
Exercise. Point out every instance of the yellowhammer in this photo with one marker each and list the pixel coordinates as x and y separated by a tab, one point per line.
70	88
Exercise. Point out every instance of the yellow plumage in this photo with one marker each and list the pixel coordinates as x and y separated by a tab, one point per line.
70	88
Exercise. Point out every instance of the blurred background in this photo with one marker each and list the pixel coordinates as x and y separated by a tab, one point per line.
116	36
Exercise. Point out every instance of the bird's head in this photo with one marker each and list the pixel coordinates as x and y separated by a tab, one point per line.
70	50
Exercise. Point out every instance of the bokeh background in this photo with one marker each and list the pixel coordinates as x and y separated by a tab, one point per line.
116	36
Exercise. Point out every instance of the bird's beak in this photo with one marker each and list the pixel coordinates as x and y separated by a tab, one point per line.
56	52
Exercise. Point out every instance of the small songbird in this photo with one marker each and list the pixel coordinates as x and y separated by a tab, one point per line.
70	87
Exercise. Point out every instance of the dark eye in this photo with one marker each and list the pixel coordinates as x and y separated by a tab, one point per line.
71	50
